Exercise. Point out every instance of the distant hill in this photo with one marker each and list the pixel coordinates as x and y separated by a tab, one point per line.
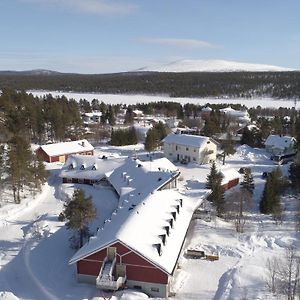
212	66
36	72
229	84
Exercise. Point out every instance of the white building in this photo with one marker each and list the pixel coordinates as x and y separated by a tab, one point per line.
278	145
240	115
190	148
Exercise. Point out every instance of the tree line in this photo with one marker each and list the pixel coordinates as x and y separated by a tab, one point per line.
193	84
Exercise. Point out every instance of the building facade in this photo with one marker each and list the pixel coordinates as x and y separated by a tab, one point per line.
190	148
59	152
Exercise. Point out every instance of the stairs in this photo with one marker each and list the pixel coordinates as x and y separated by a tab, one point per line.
106	280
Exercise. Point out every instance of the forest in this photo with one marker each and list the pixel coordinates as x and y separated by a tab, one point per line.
200	84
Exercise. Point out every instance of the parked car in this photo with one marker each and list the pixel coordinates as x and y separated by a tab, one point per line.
242	170
265	174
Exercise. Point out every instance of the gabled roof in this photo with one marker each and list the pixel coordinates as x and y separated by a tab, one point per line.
280	142
140	224
186	140
141	176
143	216
229	174
67	147
89	167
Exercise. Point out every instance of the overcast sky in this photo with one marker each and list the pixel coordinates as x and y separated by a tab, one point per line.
100	36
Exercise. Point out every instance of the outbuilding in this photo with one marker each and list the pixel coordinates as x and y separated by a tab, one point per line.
59	152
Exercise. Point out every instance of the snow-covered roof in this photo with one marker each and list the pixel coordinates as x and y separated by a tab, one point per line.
186	140
280	142
93	114
141	176
67	147
206	109
235	113
143	214
137	112
229	174
140	223
89	167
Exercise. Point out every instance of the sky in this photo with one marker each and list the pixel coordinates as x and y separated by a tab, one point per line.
105	36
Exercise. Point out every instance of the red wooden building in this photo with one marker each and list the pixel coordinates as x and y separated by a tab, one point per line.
231	178
59	152
139	245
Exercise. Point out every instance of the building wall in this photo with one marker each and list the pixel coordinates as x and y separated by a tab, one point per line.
42	154
176	152
137	268
63	157
230	184
153	290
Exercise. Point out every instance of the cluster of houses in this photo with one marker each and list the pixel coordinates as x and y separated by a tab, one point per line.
126	251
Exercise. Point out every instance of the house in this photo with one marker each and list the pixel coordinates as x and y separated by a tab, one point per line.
59	152
206	112
93	117
281	145
139	245
88	169
190	148
239	115
231	178
137	113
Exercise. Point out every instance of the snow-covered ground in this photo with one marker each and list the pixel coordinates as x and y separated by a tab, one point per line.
34	246
133	99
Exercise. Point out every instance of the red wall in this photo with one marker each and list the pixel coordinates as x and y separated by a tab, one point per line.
137	268
42	154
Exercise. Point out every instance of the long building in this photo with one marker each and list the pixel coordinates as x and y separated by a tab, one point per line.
139	245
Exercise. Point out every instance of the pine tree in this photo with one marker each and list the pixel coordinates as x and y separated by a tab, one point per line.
214	182
39	173
151	141
129	116
212	176
270	201
217	196
79	212
294	175
248	182
19	165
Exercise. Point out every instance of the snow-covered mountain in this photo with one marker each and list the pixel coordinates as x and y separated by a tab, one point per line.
212	66
30	72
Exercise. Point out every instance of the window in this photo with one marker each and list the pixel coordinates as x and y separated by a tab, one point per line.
194	158
176	147
154	289
137	287
187	149
170	154
82	167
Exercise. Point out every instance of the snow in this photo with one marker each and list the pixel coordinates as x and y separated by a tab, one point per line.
279	142
133	99
95	167
67	147
186	140
212	66
34	246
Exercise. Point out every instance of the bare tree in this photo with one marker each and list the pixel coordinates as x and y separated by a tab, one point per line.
237	203
272	274
283	275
